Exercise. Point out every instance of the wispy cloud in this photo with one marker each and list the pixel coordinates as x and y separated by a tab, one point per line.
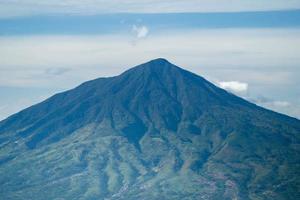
281	103
56	71
202	51
292	107
11	8
262	100
140	31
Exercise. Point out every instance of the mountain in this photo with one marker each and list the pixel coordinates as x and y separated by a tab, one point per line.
154	132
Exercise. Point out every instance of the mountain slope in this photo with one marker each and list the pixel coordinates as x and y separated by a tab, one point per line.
154	132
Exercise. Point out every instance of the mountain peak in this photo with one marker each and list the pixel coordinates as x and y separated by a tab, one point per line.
155	64
159	61
160	67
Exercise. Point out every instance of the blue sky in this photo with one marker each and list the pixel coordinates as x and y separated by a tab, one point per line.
122	23
248	47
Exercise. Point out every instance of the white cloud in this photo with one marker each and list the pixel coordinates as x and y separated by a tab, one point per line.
226	54
140	31
10	8
291	108
234	86
268	102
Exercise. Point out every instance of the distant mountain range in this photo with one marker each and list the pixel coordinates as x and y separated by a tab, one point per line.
155	132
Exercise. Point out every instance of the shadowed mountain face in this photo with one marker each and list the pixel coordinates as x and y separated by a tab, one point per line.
154	132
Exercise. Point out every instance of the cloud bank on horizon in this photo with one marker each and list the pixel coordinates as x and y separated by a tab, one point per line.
50	46
13	8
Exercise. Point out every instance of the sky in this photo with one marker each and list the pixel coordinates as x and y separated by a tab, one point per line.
248	47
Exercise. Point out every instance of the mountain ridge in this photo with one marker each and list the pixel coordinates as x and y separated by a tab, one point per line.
144	65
